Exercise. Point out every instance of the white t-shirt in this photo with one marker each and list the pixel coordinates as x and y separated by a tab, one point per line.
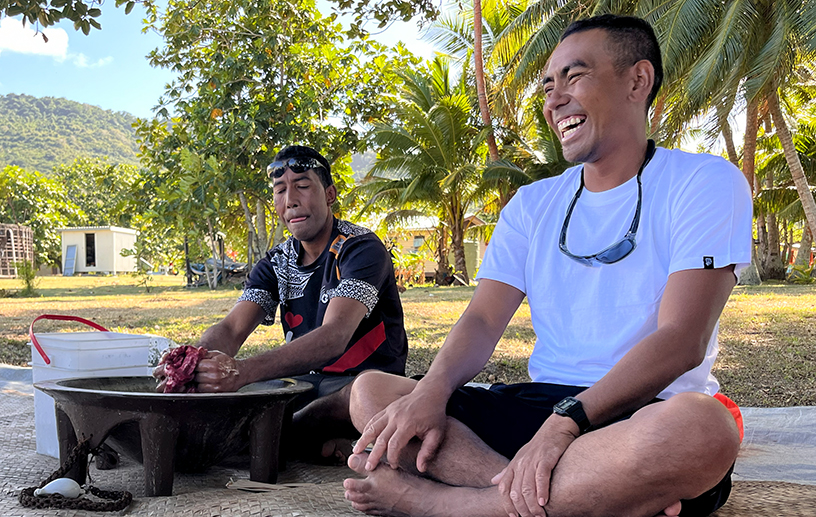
696	208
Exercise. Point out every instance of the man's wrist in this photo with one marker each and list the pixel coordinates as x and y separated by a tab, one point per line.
245	372
563	425
571	408
435	390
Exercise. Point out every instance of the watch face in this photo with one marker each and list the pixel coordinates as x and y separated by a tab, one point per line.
564	405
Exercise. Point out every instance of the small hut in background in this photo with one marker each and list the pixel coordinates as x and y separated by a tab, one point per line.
97	249
16	246
413	238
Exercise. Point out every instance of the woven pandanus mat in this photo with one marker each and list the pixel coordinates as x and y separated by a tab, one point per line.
205	494
769	499
193	494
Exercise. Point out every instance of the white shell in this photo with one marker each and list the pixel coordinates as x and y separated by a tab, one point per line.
66	487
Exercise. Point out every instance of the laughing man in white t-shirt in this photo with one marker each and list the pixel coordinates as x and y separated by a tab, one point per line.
627	261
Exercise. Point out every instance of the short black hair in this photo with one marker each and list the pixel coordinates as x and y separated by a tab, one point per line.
632	39
302	151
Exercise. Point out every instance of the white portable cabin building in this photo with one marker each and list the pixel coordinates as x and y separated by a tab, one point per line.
97	249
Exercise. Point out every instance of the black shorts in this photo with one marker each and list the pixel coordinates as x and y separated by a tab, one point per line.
322	384
487	411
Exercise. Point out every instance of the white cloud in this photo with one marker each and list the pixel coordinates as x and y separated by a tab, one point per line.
14	37
81	60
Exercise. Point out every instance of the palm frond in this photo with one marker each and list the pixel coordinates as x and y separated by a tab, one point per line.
776	57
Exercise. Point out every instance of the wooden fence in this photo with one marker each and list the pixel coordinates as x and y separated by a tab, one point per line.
16	245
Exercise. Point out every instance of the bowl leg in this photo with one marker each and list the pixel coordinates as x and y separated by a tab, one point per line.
159	435
264	444
67	442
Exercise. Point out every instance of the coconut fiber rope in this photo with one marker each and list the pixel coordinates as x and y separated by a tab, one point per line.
113	500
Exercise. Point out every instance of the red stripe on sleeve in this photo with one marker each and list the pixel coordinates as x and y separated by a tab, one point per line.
359	351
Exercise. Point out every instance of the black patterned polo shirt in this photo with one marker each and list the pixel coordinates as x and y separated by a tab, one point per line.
356	265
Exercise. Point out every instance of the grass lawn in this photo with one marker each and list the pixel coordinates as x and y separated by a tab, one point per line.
767	333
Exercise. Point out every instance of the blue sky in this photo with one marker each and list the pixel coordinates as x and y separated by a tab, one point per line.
107	68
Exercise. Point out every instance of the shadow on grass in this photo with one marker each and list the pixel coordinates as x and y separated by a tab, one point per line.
437	294
776	288
499	369
14	352
523	332
767	373
120	290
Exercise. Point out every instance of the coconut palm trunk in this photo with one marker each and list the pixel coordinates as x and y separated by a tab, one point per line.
803	254
773	265
730	148
750	144
481	90
442	265
797	172
458	244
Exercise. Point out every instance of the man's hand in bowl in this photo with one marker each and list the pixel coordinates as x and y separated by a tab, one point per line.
218	373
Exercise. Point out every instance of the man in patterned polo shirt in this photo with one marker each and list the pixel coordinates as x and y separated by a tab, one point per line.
340	308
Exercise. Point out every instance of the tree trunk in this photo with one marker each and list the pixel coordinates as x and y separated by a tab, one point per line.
798	174
748	170
442	265
481	91
750	275
657	115
213	237
762	244
803	255
458	245
279	236
252	244
263	236
774	268
750	143
728	136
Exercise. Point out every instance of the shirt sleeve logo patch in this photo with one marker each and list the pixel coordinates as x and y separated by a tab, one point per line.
337	245
708	262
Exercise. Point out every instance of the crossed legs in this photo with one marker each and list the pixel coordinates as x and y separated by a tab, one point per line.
322	430
666	452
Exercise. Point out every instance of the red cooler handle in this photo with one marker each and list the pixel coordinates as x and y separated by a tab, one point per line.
61	318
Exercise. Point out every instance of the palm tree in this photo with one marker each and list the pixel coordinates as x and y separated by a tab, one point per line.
431	156
782	197
717	55
465	35
481	90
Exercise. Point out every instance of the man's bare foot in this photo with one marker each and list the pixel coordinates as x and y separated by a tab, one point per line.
673	510
394	492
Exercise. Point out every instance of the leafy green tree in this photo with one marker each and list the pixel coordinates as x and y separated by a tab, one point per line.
254	77
84	13
432	155
100	189
384	12
33	200
27	274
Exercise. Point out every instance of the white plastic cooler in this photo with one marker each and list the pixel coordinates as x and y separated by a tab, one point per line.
86	354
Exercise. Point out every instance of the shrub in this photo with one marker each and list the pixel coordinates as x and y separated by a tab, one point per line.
28	275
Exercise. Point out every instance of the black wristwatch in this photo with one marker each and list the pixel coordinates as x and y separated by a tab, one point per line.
571	407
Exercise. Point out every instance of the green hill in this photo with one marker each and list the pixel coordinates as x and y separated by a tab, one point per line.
39	133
